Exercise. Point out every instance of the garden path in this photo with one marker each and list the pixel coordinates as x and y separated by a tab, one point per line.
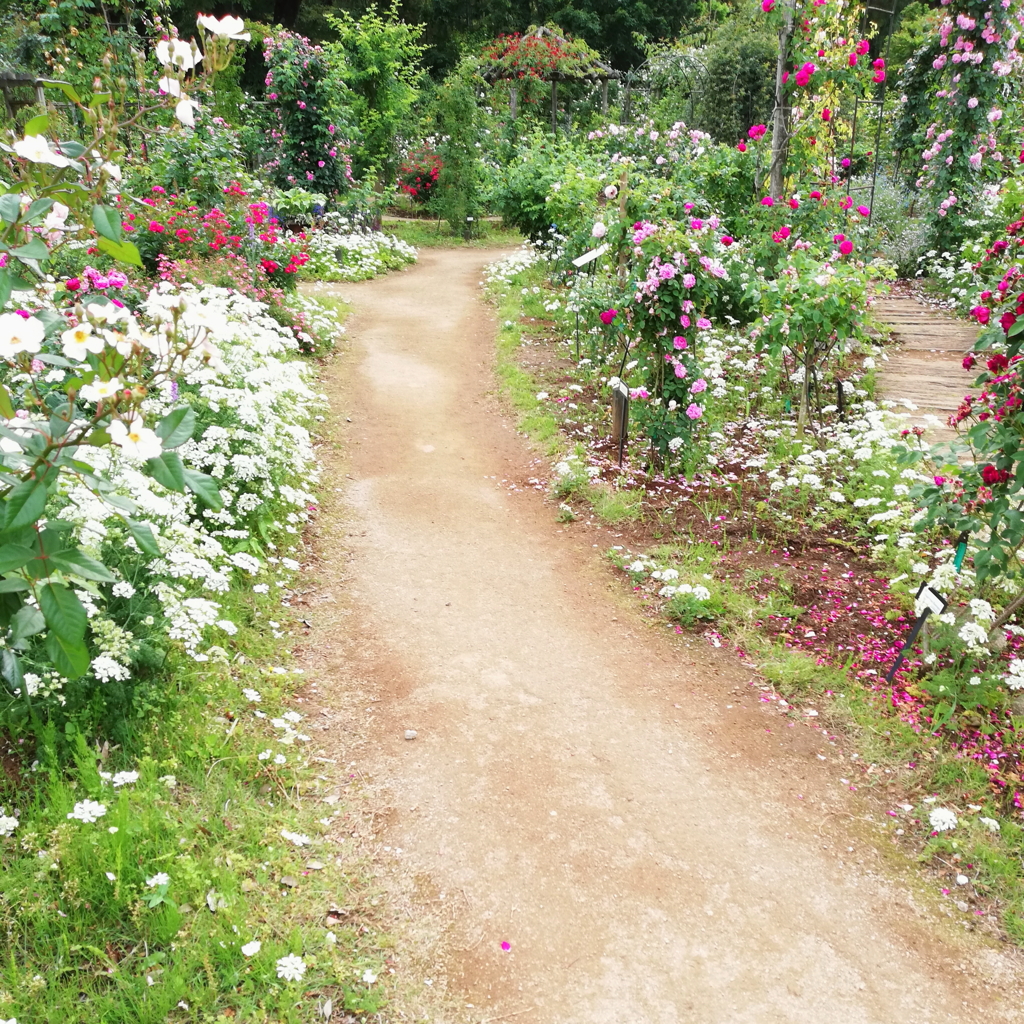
656	846
926	369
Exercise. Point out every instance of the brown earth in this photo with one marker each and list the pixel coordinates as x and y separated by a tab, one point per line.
613	801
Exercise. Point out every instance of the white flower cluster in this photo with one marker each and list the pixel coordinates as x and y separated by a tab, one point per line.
342	252
254	399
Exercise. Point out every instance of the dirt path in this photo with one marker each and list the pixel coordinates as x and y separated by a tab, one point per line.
927	368
616	804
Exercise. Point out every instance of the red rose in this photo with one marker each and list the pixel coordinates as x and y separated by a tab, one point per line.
981	314
1006	321
998	362
969	360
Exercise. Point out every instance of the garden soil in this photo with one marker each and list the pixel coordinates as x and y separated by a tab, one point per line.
613	803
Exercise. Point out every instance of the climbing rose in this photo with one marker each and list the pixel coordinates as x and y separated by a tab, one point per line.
862	47
72	284
767	5
864	211
726	239
852	60
846	247
981	314
794	203
608	316
742	147
997	363
969	360
815	194
767	201
694	411
991	475
1006	321
826	114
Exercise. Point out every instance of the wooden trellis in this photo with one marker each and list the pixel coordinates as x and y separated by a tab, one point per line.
597	71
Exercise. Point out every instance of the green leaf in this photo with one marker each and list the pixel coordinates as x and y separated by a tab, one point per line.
38	208
70	658
37	125
72	149
25	503
33	250
6	286
124	252
6	406
176	427
13	584
14	556
65	87
27	621
74	561
64	612
10	669
10	207
144	537
168	470
99	98
204	487
107	222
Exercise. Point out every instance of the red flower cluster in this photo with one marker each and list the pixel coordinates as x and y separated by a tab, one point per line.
418	175
991	475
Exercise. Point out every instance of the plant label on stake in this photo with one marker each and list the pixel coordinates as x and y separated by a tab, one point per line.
589	257
620	413
928	601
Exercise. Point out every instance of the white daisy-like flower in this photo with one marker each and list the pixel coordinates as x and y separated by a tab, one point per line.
252	948
291	968
160	878
942	819
87	811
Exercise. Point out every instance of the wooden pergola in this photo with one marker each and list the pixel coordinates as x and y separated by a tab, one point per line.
13	85
596	71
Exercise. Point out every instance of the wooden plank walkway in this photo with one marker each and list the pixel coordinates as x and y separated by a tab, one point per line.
926	367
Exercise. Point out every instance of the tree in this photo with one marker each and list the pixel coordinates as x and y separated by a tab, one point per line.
456	120
378	58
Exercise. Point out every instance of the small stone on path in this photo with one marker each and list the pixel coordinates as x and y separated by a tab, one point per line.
410	734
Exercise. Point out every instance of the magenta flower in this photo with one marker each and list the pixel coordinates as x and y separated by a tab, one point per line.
506	946
846	247
684	320
679	342
703	323
679	370
608	316
699	385
864	211
694	411
767	201
689	280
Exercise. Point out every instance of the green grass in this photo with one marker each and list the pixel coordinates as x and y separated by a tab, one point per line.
208	812
516	385
428	234
615	506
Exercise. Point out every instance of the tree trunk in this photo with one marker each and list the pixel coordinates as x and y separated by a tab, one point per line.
805	393
780	124
286	12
